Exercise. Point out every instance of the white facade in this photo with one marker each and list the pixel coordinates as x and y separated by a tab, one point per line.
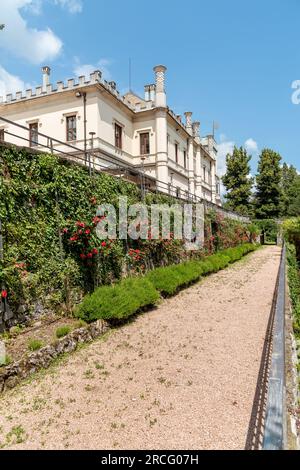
127	130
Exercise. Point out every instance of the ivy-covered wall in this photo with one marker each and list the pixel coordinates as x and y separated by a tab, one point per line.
51	255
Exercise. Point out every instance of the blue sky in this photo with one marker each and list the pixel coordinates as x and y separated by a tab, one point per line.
230	61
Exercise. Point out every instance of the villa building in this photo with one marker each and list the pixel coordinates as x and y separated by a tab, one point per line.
90	115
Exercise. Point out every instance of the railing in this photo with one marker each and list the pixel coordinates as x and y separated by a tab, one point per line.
275	420
103	161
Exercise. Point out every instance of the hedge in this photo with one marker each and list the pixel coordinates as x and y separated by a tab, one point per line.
172	278
124	299
118	301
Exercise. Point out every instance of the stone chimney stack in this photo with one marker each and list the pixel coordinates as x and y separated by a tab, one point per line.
160	97
46	77
196	129
147	92
188	121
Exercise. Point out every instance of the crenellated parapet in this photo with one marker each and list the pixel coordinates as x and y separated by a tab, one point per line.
47	89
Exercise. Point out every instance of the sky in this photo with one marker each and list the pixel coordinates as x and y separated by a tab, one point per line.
232	62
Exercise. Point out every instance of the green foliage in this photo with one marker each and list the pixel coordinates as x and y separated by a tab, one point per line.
170	279
34	344
268	227
268	195
221	232
290	191
237	181
40	196
62	331
294	285
119	301
7	360
291	231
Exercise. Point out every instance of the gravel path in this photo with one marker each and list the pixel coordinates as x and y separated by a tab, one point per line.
180	377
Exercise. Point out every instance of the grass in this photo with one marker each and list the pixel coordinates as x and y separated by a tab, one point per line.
129	296
6	361
34	344
118	302
62	331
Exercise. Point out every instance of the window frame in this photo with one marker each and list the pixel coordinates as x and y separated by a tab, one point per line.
118	145
2	133
32	132
176	146
142	144
73	129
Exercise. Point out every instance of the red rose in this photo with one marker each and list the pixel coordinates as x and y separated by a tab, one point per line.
103	244
65	230
87	232
4	294
95	251
89	255
82	256
80	224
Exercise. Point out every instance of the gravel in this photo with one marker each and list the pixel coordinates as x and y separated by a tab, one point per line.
182	376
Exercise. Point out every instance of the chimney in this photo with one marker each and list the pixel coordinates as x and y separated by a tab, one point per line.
160	97
46	77
152	92
196	129
147	92
188	120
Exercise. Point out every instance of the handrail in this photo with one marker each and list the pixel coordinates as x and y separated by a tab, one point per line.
76	153
275	421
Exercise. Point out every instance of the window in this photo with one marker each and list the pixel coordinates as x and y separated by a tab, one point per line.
145	143
33	134
71	128
204	174
118	136
178	192
176	153
2	138
184	158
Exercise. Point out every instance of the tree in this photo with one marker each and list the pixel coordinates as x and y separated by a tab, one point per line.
268	198
290	191
294	198
237	181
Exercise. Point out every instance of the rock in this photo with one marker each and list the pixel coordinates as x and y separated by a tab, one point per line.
12	382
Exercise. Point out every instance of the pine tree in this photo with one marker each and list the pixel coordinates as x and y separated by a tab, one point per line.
268	199
237	181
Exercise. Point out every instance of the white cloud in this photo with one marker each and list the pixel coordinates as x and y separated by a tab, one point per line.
73	6
18	38
224	147
10	83
251	146
86	69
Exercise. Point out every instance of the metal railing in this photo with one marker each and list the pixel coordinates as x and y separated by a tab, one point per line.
275	420
102	161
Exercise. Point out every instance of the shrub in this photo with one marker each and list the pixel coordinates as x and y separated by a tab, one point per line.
62	331
294	285
170	279
34	344
119	301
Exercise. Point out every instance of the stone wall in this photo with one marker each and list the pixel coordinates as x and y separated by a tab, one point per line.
11	375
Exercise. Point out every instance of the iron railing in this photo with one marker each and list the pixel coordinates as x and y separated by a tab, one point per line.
275	421
101	161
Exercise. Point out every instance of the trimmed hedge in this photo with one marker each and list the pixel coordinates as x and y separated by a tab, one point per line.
122	300
169	280
118	301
